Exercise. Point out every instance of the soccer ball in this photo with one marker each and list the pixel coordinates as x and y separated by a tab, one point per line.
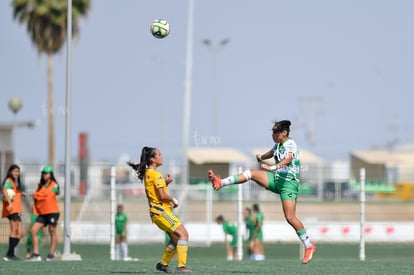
160	28
11	194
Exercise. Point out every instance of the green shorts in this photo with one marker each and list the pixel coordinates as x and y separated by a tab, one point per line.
233	242
287	188
119	233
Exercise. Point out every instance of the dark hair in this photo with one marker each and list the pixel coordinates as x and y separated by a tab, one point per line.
282	125
145	160
220	218
9	175
43	181
256	207
248	210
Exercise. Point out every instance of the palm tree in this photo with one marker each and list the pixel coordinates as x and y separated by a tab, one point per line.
46	23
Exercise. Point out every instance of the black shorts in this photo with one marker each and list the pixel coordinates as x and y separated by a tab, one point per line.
48	219
15	217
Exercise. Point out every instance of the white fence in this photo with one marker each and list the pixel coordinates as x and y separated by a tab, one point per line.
92	212
84	232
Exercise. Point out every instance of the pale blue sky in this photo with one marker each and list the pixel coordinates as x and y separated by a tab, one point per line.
357	56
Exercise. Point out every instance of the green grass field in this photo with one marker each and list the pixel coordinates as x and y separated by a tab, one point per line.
281	259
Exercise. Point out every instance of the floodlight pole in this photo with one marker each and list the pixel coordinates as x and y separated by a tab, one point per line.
187	102
66	242
215	50
67	204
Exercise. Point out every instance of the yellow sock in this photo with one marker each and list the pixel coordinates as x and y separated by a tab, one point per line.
182	248
168	254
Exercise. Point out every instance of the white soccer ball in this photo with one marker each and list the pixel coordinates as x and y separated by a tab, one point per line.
160	28
11	194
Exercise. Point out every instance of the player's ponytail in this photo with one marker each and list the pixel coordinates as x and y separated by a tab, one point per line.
146	154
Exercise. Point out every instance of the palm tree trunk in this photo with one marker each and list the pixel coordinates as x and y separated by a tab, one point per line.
51	113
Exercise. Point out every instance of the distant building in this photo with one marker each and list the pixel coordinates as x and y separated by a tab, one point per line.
221	160
385	166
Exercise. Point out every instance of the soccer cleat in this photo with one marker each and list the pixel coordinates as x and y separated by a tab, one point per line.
182	269
34	258
164	268
50	257
10	258
308	254
215	180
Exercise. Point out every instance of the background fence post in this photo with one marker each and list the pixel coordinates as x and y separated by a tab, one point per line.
113	209
362	215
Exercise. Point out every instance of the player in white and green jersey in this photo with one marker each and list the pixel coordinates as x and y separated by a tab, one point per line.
281	178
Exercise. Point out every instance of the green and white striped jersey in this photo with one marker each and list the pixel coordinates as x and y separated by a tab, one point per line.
280	152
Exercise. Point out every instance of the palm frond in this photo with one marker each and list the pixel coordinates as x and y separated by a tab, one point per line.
46	21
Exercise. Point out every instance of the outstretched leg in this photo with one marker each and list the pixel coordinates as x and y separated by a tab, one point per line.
259	176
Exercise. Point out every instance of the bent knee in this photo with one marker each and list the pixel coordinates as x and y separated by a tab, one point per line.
182	233
291	219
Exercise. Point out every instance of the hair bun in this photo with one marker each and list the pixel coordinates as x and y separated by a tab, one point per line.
286	122
283	125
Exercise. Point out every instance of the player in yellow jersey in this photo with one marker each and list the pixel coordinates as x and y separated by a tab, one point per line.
160	209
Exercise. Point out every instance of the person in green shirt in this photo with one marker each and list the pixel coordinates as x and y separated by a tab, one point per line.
257	238
29	242
248	220
121	221
229	229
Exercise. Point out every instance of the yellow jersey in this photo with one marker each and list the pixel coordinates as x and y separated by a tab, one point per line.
154	180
